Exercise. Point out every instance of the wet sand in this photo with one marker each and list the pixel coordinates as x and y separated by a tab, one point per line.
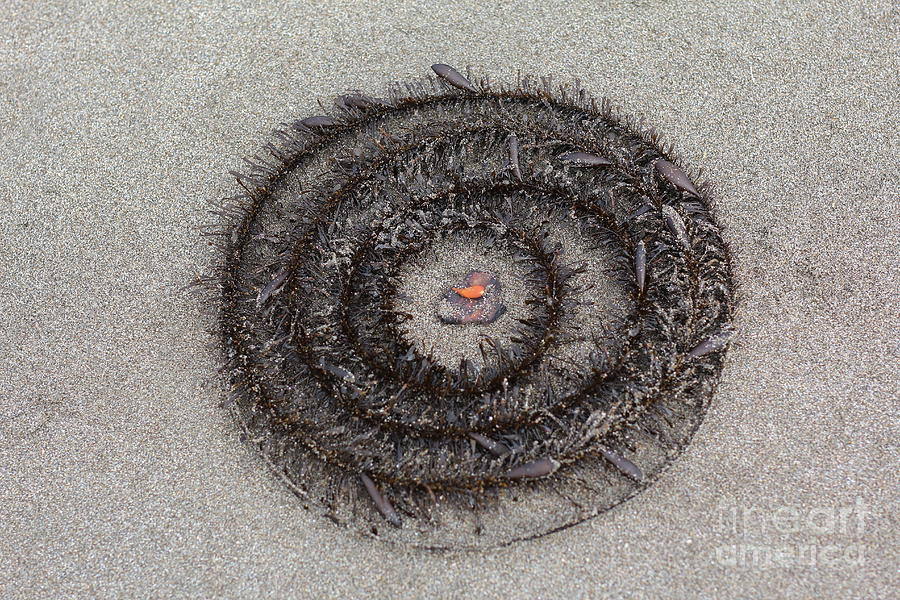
121	476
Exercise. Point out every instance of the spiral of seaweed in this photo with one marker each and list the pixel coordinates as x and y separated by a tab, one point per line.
364	423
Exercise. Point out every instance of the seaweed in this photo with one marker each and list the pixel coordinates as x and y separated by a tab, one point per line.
306	291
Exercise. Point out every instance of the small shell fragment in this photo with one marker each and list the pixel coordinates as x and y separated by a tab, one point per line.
676	177
536	468
640	265
583	159
381	503
453	77
676	226
713	344
495	448
623	464
513	143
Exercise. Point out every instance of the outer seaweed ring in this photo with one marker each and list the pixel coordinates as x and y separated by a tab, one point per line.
684	298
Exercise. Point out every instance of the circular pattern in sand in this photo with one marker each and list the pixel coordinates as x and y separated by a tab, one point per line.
616	293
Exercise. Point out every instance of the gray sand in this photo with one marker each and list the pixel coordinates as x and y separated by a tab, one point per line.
121	476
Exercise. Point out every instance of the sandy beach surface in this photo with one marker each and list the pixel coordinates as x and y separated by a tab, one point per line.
120	474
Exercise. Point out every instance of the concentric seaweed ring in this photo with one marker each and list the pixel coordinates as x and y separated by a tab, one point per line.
376	412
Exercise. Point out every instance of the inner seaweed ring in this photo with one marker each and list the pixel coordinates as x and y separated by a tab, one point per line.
514	441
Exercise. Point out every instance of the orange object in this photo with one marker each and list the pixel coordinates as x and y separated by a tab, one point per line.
471	292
